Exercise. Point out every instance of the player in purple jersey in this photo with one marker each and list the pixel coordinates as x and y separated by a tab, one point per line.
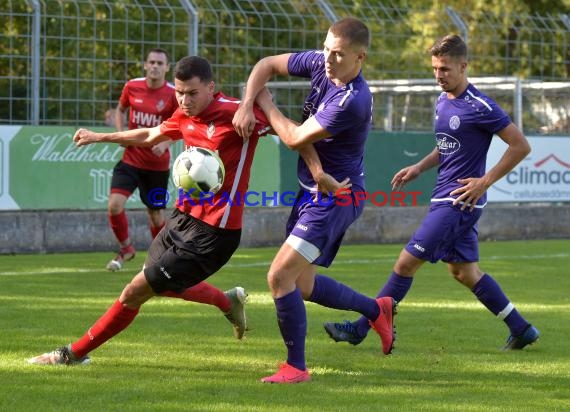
330	140
465	122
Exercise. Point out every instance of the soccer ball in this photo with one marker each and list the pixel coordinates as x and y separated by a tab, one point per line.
198	171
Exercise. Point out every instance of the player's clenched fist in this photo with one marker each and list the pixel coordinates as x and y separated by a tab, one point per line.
84	137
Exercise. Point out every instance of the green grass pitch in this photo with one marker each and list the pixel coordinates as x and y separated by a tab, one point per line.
181	356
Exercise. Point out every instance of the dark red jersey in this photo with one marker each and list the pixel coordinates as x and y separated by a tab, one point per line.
213	130
147	108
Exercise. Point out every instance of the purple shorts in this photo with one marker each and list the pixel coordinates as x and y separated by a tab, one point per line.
448	234
322	222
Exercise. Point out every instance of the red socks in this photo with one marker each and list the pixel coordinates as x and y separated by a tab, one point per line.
203	293
120	226
117	318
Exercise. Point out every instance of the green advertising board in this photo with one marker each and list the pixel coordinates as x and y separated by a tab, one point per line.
47	170
41	168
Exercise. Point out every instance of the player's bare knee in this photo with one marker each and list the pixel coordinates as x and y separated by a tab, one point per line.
407	264
155	217
405	267
273	280
154	213
458	273
466	273
130	298
458	276
279	282
133	298
114	209
137	292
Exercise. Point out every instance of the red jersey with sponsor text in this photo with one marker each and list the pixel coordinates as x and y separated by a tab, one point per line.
147	108
213	130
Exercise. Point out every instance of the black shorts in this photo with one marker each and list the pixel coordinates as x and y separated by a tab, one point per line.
186	252
151	183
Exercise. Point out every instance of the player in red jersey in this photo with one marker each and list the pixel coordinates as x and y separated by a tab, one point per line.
196	241
149	100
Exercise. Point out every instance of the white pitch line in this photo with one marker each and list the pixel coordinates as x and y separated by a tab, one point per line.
266	299
392	260
49	271
67	270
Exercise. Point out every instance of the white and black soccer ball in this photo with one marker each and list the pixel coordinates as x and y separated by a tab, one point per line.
198	171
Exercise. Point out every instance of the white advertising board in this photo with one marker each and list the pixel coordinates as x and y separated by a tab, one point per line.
543	176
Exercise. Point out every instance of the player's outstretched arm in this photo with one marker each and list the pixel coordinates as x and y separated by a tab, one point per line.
135	137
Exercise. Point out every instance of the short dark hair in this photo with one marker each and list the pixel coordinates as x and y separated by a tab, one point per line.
158	50
352	29
193	66
451	45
